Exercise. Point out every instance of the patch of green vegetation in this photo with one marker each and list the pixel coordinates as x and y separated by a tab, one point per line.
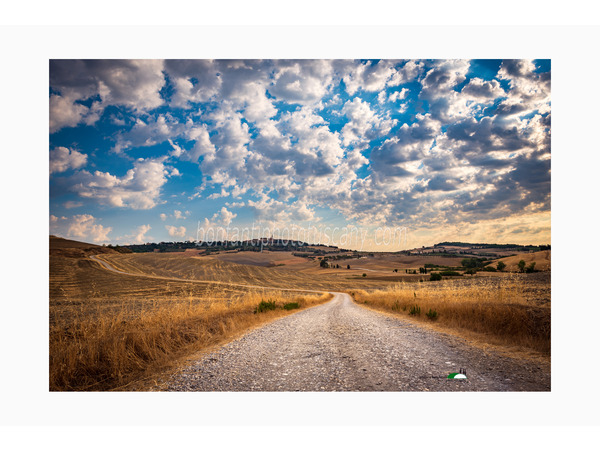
264	306
432	314
435	277
291	305
450	273
415	310
471	263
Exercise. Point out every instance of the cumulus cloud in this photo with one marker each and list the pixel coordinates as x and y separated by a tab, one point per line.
140	234
63	159
529	91
400	156
221	218
71	204
81	226
479	89
364	125
65	112
439	85
175	231
139	188
398	95
180	215
302	82
135	84
383	142
275	212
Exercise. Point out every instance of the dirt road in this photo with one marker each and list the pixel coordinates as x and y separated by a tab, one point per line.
340	346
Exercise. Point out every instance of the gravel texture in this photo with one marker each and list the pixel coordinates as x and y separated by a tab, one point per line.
340	346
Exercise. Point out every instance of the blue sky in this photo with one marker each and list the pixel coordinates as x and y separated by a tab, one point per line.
149	150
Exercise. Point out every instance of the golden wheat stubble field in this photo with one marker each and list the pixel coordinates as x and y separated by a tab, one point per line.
109	330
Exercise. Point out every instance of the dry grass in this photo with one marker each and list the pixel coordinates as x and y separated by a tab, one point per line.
109	329
499	311
541	259
109	349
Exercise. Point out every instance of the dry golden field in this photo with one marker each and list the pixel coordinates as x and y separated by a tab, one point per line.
510	311
108	329
542	260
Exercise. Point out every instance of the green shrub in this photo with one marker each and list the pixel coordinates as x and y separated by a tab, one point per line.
489	269
471	271
291	305
435	277
364	274
265	306
450	273
471	263
432	314
415	310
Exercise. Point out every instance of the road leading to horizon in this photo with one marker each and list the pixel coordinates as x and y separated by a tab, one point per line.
340	346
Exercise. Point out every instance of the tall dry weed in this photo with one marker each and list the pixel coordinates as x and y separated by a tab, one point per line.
499	312
108	349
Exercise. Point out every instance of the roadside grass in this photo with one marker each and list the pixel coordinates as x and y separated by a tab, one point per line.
110	349
498	313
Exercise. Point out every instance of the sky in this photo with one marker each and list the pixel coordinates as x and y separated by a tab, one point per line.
364	154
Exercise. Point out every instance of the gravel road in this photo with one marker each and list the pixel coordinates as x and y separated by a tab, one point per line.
340	346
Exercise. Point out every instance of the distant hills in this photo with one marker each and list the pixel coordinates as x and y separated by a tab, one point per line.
453	249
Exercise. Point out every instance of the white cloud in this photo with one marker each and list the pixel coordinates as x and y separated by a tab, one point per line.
221	218
368	76
202	146
364	124
64	112
407	73
81	226
175	231
478	89
529	91
71	204
398	95
152	131
276	212
204	74
372	77
179	215
139	188
140	236
63	159
438	89
163	217
303	82
131	83
177	150
288	162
